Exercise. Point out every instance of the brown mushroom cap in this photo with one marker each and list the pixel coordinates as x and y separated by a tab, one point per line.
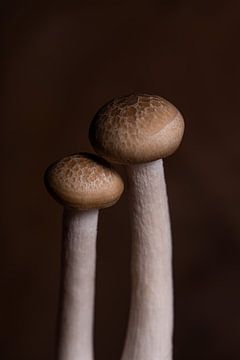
136	128
83	181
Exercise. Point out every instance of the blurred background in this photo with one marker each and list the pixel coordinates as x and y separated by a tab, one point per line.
62	61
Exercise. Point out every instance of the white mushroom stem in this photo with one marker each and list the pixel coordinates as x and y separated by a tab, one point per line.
78	279
149	335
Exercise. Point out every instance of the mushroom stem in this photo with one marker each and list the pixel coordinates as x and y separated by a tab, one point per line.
149	334
78	279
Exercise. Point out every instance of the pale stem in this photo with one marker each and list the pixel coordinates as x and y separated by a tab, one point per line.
75	340
149	335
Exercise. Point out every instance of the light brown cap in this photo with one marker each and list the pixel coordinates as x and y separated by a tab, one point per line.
83	181
136	128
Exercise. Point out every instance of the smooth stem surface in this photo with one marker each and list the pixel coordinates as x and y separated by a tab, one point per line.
149	335
78	280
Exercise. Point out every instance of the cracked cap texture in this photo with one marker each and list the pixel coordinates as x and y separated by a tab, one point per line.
83	181
136	128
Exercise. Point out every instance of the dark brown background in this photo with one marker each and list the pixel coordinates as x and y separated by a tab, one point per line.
61	62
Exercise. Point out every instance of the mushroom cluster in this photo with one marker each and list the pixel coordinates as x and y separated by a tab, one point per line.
137	131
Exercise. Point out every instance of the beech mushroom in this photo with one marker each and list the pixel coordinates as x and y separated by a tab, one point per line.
139	130
82	183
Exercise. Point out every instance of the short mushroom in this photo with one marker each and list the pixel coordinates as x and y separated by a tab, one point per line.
82	183
139	130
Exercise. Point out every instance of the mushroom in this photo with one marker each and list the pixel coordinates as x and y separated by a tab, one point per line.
139	130
82	183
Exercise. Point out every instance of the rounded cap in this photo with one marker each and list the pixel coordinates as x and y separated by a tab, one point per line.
83	181
136	128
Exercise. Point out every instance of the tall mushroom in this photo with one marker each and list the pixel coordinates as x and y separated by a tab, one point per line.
139	130
82	183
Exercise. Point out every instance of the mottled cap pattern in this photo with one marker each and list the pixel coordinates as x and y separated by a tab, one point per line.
83	181
136	128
